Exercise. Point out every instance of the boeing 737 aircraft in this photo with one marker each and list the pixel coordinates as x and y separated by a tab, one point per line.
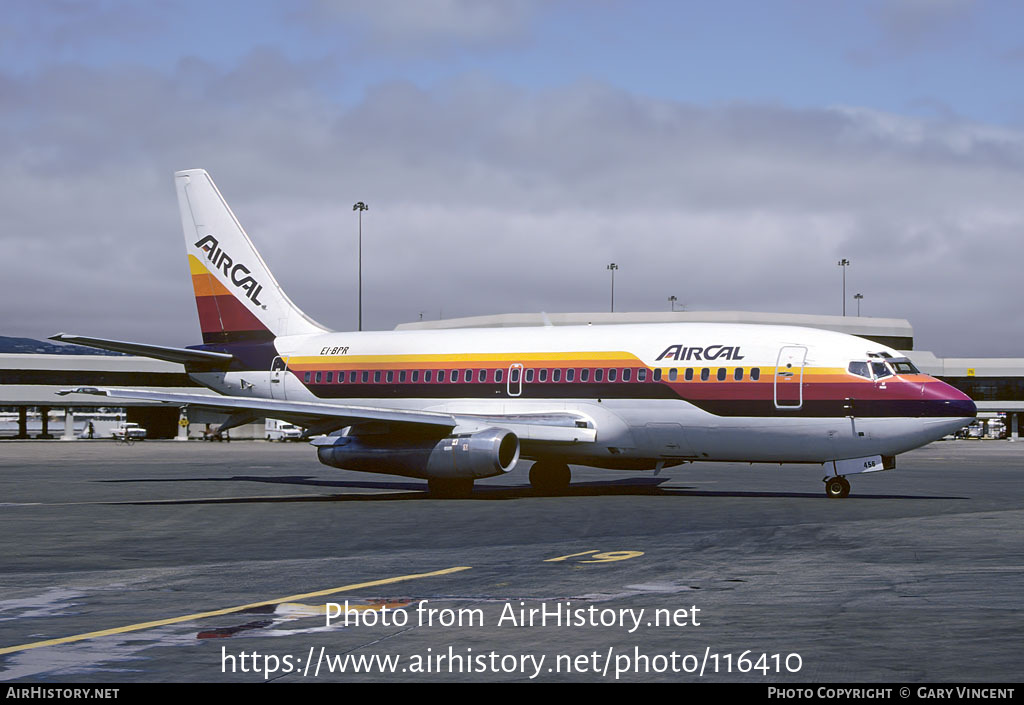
452	406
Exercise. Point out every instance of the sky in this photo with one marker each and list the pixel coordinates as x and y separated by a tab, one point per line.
728	154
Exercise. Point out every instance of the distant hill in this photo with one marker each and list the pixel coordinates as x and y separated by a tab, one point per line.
28	346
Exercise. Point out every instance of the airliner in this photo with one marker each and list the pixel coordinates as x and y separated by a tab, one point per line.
454	406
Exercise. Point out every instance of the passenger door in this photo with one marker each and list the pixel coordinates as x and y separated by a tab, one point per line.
278	378
789	377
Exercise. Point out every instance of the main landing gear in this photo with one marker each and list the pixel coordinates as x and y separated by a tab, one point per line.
837	486
550	476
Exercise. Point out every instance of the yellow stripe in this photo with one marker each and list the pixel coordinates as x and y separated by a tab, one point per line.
195	266
765	371
456	358
228	610
583	359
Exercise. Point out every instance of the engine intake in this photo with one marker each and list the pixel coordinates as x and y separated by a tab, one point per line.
486	453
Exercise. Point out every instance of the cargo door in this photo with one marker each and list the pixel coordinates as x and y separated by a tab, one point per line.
668	440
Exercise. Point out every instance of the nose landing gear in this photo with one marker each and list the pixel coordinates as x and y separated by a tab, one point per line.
837	486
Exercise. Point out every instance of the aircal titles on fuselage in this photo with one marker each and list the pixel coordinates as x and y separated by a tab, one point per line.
710	352
237	273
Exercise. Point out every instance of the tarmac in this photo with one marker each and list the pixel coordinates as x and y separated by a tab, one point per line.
199	562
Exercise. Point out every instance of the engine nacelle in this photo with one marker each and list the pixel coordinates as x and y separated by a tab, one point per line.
486	453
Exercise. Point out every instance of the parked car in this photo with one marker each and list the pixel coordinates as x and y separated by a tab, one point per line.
129	430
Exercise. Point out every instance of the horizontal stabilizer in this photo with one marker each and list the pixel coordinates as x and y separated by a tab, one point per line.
159	352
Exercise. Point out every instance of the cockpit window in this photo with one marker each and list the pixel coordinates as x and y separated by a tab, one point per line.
903	366
881	370
859	368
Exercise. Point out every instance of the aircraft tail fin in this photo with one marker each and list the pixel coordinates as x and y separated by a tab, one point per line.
237	297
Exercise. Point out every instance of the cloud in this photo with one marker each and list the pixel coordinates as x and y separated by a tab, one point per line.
488	198
402	27
63	29
905	27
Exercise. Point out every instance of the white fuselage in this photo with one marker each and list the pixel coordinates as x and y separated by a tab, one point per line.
687	391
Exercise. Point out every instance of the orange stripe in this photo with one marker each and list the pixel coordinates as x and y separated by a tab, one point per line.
207	285
459	364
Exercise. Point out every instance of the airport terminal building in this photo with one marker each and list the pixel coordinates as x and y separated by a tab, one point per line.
29	383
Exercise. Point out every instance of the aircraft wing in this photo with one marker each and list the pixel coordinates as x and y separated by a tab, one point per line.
318	417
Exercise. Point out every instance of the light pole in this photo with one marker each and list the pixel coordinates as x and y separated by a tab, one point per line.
844	263
360	206
672	302
858	297
612	267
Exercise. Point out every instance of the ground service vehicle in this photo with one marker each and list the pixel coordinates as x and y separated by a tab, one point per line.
282	431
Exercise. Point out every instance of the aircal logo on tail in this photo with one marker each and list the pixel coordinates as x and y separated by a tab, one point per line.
711	352
237	273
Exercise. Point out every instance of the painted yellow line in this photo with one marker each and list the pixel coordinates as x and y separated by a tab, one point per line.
571	555
182	500
228	610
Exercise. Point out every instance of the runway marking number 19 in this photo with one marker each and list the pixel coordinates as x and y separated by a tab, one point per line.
596	557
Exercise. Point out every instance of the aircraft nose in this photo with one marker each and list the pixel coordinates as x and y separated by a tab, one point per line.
947	400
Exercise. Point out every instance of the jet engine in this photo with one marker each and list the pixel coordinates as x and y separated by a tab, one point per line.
467	456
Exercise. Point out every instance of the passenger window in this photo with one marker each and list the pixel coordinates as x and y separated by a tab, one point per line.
612	374
427	374
641	375
705	374
859	368
657	375
376	377
401	376
330	377
440	376
738	374
497	375
529	375
626	374
599	375
688	375
721	374
341	377
673	374
481	376
467	376
556	375
305	378
755	374
570	375
390	376
543	376
353	377
415	376
585	375
455	376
